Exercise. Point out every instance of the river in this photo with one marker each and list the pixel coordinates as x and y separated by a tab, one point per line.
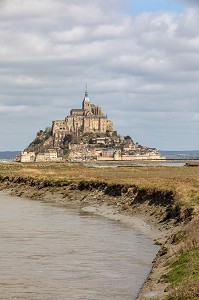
54	253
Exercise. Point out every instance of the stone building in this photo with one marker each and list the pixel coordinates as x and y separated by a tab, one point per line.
27	156
88	119
50	155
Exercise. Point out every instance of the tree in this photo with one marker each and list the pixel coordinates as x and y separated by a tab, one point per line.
127	137
68	138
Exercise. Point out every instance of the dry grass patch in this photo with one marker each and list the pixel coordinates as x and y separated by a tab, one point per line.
191	240
183	182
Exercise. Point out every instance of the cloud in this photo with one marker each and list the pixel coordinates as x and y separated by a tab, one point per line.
11	109
191	2
137	67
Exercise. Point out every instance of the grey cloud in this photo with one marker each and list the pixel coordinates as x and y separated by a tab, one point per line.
2	2
189	2
144	66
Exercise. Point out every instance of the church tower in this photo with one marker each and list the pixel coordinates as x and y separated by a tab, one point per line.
86	105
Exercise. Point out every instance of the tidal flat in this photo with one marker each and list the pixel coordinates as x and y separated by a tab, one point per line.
165	198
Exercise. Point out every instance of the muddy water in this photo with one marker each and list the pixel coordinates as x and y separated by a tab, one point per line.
52	253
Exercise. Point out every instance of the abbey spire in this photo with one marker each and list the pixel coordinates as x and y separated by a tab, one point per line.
86	105
86	91
86	99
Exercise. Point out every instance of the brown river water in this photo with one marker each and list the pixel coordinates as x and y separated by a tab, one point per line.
54	253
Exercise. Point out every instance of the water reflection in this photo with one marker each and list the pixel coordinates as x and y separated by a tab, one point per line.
49	252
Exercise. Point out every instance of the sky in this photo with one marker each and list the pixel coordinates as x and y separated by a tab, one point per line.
140	59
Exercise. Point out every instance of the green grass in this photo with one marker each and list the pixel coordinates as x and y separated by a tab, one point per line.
187	265
184	276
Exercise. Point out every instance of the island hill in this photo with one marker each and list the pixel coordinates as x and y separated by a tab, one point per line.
86	134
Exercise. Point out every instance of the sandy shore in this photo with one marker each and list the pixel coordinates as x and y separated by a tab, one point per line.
143	217
137	222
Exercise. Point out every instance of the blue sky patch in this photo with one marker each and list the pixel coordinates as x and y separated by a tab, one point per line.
140	6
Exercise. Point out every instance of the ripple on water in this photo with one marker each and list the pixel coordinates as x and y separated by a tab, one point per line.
54	253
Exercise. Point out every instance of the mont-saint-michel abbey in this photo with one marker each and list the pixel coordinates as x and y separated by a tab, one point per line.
88	119
86	134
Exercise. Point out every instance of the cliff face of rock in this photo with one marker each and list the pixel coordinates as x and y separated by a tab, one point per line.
42	142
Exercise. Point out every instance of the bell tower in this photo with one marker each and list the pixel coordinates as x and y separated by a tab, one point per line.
86	105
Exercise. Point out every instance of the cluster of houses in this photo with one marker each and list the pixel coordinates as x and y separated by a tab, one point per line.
93	152
51	155
89	152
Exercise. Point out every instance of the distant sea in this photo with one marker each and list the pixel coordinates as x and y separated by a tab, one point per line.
8	155
194	154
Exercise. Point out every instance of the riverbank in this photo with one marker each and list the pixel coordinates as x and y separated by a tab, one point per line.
156	211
